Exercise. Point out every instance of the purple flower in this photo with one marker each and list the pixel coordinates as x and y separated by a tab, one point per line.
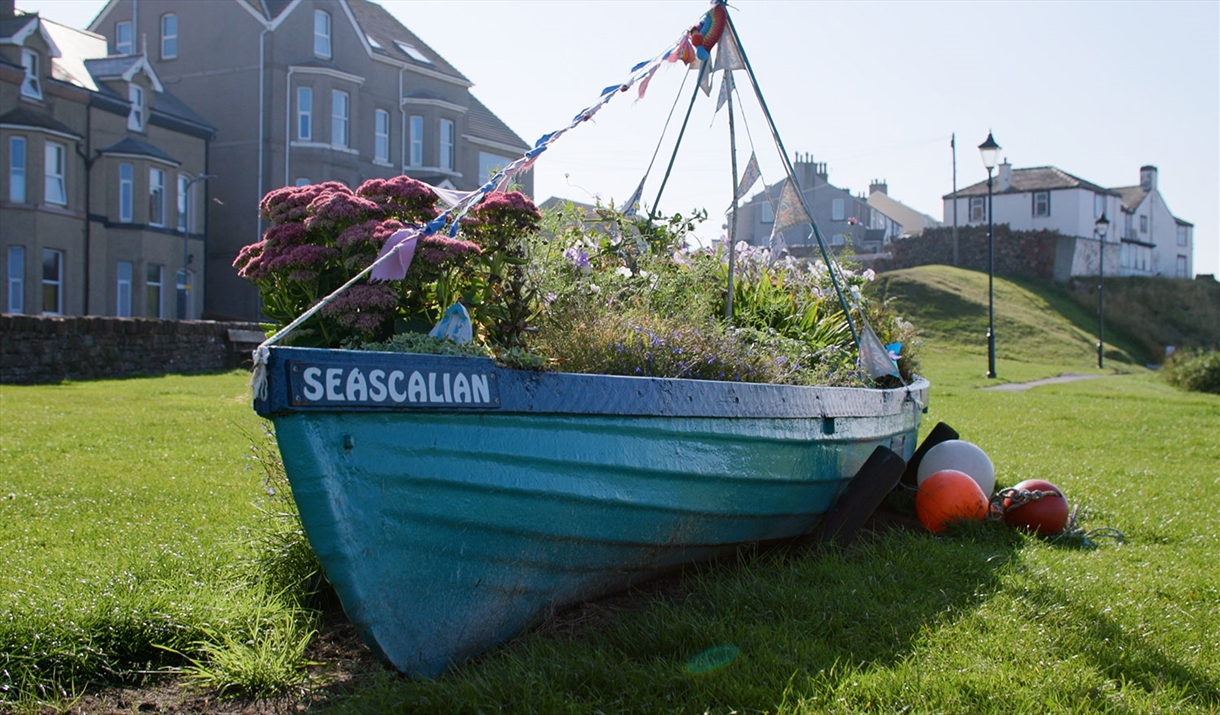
577	257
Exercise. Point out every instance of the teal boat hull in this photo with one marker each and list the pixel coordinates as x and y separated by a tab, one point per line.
453	518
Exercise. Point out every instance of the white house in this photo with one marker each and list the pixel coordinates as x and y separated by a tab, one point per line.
1048	198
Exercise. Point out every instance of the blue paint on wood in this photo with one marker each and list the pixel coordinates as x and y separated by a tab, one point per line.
449	527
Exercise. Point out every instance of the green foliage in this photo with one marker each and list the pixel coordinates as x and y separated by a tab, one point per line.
1197	370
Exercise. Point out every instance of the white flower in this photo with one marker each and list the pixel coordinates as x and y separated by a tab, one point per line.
623	271
869	275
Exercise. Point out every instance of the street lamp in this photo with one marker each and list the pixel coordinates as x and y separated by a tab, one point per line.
183	308
1102	227
989	150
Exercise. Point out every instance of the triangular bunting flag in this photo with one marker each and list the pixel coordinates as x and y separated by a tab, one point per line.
874	358
728	57
749	177
629	206
726	86
790	211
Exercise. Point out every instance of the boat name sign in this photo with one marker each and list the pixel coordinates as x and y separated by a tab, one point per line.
323	385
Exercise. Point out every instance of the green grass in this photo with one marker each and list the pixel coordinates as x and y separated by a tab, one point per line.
979	620
126	516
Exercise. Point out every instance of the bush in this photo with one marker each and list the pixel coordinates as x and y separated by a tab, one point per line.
1195	370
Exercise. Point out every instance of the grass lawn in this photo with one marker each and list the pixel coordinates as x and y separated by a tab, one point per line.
126	516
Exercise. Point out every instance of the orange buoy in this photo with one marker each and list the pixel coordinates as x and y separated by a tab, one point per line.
948	496
1046	516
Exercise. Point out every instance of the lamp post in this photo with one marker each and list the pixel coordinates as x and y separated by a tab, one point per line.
989	150
1102	227
183	307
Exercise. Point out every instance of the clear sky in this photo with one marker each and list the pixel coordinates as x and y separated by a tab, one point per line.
874	89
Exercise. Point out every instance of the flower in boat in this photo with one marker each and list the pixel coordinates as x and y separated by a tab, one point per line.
363	307
577	258
402	197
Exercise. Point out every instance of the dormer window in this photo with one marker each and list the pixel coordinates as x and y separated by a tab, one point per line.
169	36
31	86
122	38
135	119
321	33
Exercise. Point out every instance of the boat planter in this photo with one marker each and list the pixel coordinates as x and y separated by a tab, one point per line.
452	502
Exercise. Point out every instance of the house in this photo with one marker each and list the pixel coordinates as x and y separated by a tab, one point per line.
913	222
1144	238
842	219
97	215
304	91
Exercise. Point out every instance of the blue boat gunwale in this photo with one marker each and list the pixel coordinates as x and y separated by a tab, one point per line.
536	392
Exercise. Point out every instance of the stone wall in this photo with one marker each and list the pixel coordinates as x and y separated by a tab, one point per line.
41	349
1038	254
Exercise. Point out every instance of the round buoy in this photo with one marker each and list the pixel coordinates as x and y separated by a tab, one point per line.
947	496
1045	517
964	457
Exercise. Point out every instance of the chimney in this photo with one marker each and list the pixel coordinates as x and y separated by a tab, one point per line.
1004	179
1148	178
8	8
878	187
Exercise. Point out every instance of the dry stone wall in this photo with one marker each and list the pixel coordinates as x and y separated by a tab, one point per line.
42	349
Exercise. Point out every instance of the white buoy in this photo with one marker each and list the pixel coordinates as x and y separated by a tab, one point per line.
962	456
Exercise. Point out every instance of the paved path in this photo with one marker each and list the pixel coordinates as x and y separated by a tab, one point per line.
1063	377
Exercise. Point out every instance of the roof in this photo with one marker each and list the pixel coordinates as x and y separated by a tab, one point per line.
75	46
1039	178
10	26
273	8
111	67
485	125
1132	196
131	145
25	117
380	25
169	105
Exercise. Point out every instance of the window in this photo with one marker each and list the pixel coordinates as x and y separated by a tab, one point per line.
152	290
417	141
16	170
303	181
135	118
1183	235
52	281
31	85
169	36
305	113
1099	205
339	113
446	157
836	210
1127	219
1143	224
16	279
184	184
768	212
978	209
55	191
127	192
183	295
1042	203
123	307
489	164
156	197
321	33
1182	267
839	239
412	52
381	135
122	38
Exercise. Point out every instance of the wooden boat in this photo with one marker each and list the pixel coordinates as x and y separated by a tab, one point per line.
452	502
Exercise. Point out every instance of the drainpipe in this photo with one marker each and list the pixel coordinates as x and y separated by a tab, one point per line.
88	230
288	127
262	123
402	112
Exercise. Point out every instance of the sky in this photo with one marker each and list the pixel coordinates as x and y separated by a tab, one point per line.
874	89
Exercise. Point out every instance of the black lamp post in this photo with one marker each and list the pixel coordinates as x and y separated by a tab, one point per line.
1102	227
989	150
